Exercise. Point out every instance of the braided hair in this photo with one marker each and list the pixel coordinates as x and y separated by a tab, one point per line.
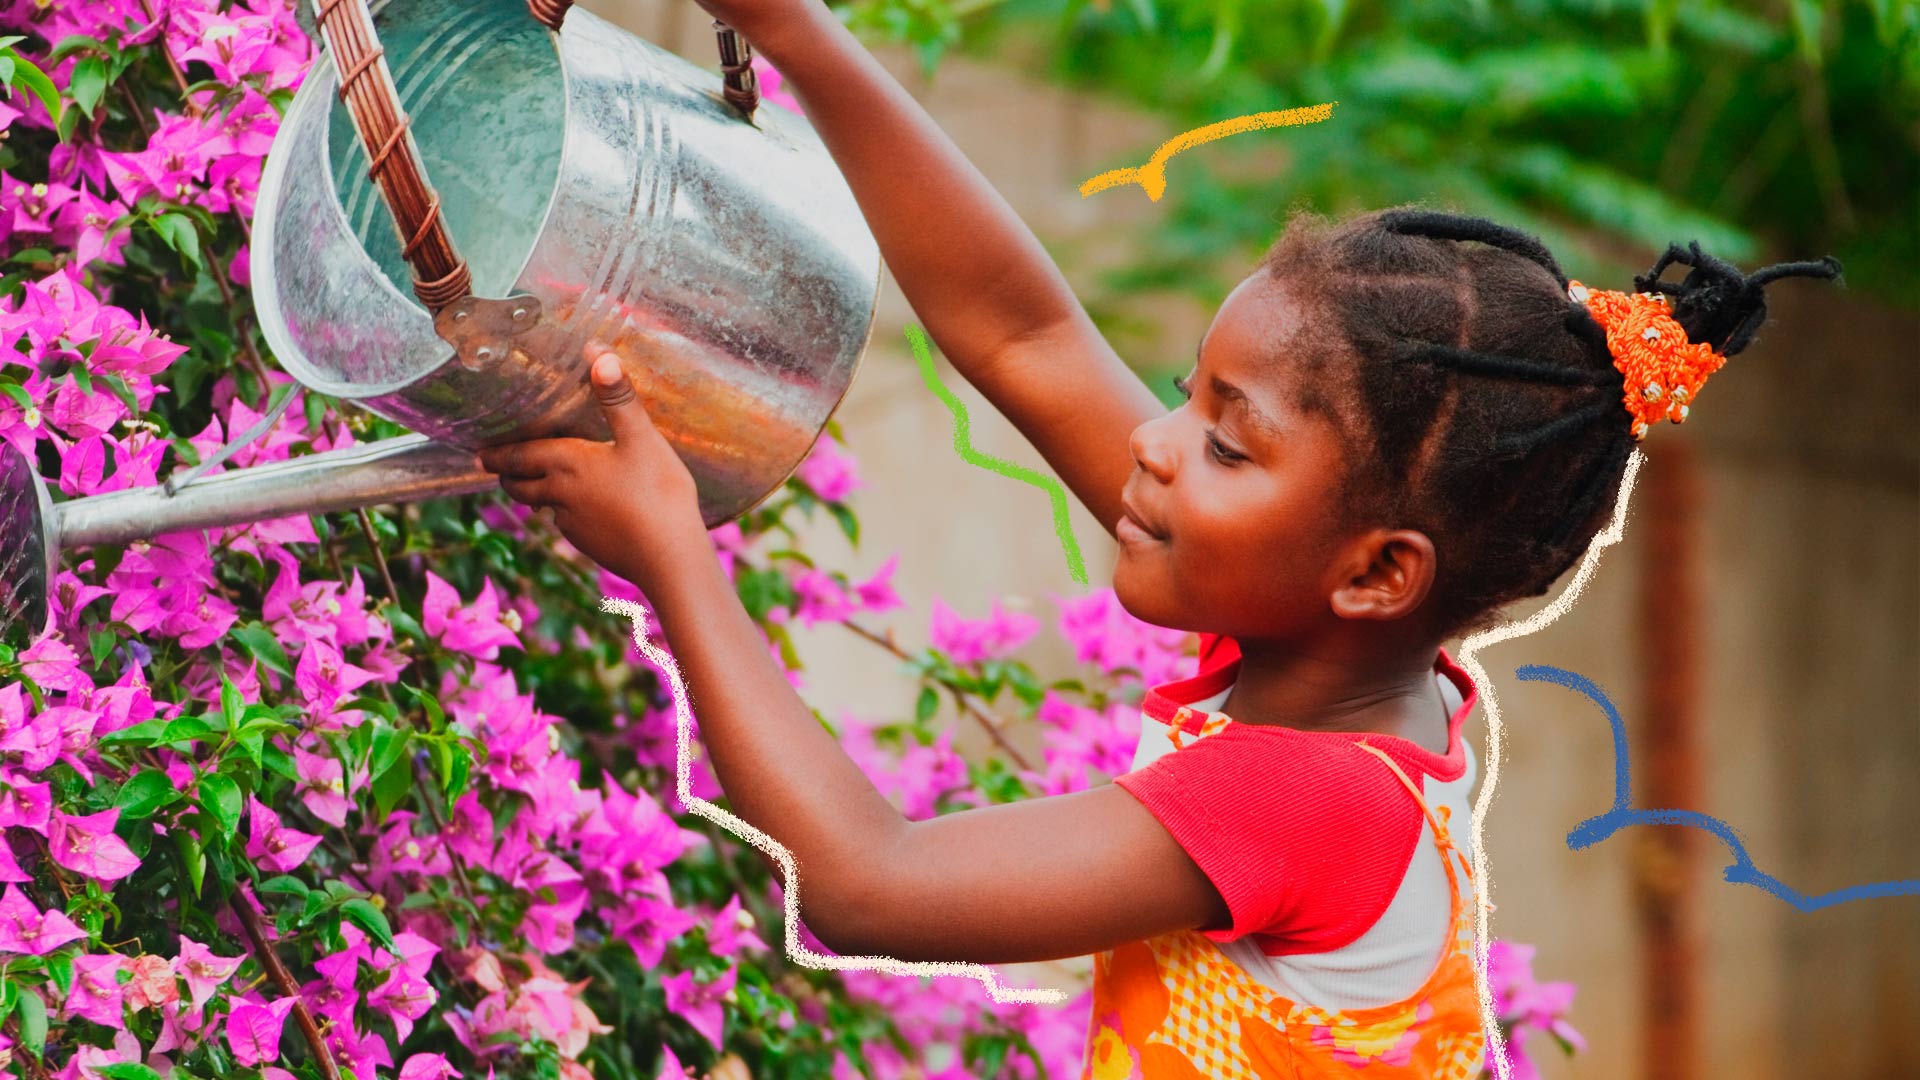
1480	402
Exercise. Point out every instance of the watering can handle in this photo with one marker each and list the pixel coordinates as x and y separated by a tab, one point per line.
440	276
740	88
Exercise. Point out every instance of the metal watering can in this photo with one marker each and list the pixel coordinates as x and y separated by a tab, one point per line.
586	187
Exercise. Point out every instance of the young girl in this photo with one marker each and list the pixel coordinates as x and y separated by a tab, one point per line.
1396	425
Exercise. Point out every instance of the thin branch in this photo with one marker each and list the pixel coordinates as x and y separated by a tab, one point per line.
270	960
959	696
179	76
379	556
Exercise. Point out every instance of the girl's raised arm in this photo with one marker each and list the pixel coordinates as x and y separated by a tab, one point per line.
978	279
1038	879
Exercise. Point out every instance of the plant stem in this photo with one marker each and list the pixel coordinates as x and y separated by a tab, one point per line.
959	695
379	556
270	960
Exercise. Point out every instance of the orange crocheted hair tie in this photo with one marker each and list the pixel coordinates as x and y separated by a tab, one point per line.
1663	370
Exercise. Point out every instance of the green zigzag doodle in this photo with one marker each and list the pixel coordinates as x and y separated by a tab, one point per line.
963	445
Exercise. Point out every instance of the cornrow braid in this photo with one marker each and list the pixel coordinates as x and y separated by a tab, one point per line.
1482	402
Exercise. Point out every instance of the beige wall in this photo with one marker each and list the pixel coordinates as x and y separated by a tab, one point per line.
1811	459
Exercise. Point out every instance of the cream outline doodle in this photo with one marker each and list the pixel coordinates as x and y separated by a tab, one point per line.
1539	620
1468	659
799	954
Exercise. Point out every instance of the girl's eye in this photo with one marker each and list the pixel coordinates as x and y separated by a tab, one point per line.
1221	451
1181	384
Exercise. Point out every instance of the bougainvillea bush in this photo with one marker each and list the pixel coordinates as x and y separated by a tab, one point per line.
382	793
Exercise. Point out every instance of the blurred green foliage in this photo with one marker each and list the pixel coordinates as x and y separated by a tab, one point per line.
1786	129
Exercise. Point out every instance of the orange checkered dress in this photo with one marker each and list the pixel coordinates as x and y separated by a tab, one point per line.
1174	1007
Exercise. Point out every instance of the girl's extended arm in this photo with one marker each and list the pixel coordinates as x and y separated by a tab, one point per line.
1033	880
978	279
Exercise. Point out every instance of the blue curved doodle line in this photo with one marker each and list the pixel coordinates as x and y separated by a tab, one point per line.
1742	871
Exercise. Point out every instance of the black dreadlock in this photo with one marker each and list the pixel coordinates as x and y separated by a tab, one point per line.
1506	471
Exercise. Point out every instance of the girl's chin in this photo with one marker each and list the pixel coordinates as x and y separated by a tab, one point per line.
1139	598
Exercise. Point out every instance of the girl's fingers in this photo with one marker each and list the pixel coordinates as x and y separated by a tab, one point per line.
530	459
534	491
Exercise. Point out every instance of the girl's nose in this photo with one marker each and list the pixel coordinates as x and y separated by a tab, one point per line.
1152	449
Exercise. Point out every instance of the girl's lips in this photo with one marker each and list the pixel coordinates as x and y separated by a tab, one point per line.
1128	531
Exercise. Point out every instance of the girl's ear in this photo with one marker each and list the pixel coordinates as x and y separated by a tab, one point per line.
1390	574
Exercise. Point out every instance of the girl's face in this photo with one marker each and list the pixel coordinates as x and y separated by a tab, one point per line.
1235	488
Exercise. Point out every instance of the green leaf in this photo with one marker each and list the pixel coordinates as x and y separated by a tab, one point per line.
230	703
127	1070
849	524
369	918
260	644
391	786
389	746
101	644
33	1022
285	885
69	45
188	728
120	390
220	797
178	231
928	704
36	81
88	83
145	733
146	793
60	970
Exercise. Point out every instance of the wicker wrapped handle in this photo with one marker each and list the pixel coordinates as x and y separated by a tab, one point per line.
740	87
440	276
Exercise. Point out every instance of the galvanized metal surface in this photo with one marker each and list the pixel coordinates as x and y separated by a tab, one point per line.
607	179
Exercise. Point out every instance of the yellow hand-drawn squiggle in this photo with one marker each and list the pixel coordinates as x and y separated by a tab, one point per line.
1152	177
1470	660
796	952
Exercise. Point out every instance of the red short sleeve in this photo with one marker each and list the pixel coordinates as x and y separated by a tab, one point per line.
1307	838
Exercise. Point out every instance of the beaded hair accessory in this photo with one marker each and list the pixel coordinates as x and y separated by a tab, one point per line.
1661	369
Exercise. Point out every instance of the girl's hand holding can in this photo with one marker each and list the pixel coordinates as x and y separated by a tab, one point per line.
631	504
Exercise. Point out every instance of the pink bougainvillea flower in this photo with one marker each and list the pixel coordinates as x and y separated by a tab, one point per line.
876	594
9	866
27	806
323	677
97	994
647	921
87	845
831	472
1106	634
403	998
86	226
322	787
80	412
699	1004
272	844
771	81
469	832
358	1051
24	929
53	664
476	629
203	971
427	1067
670	1067
731	930
970	641
153	984
253	1030
38	741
